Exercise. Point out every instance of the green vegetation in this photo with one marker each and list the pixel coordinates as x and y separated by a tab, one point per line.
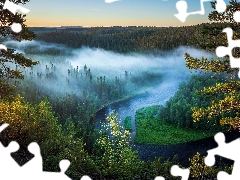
9	57
60	119
150	129
127	123
224	109
134	39
78	93
118	159
178	108
198	169
173	123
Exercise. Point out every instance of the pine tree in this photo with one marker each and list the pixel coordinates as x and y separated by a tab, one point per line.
9	57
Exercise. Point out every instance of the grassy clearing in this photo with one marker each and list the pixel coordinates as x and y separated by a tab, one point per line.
151	130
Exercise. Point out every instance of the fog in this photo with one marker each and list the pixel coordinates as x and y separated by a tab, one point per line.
101	60
170	64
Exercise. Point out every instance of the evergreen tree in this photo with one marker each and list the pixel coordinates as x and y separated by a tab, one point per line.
9	57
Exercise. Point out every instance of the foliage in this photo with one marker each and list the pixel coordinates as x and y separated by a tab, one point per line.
150	129
123	39
127	123
198	169
226	108
178	108
158	167
8	58
118	159
78	93
36	123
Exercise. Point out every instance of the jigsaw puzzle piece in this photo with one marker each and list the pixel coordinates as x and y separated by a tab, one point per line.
3	126
223	176
227	150
13	8
177	171
64	164
159	178
210	158
11	166
182	10
222	51
221	6
35	164
88	178
182	6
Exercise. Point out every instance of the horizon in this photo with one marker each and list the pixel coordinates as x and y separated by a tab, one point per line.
104	26
98	13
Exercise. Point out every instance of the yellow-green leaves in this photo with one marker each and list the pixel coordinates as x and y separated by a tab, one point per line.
118	158
199	169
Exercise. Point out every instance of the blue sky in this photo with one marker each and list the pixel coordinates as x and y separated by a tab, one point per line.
122	13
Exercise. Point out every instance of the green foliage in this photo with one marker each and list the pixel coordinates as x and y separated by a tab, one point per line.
150	129
225	108
63	124
157	167
78	93
36	123
198	169
123	39
127	123
118	159
8	58
6	90
178	108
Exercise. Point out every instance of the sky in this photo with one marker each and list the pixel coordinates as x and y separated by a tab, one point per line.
119	13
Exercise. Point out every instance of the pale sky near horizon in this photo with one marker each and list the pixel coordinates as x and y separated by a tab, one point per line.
119	13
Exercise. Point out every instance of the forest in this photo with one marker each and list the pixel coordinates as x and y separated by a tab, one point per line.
55	82
132	39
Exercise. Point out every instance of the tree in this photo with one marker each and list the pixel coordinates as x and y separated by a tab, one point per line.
36	122
224	96
117	158
7	58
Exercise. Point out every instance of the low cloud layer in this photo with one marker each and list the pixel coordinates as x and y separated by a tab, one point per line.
109	62
170	64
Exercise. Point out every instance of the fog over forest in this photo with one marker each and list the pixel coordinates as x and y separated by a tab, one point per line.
59	61
110	63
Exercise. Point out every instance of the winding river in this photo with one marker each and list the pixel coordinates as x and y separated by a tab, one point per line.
158	96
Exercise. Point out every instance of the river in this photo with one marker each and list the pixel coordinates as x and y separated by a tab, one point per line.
158	96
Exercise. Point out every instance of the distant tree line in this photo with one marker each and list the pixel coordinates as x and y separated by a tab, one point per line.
133	39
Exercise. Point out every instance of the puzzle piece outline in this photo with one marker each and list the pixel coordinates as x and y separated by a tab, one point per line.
223	150
182	6
222	51
34	165
13	8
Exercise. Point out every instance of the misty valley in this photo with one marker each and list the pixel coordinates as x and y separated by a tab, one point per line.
118	102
